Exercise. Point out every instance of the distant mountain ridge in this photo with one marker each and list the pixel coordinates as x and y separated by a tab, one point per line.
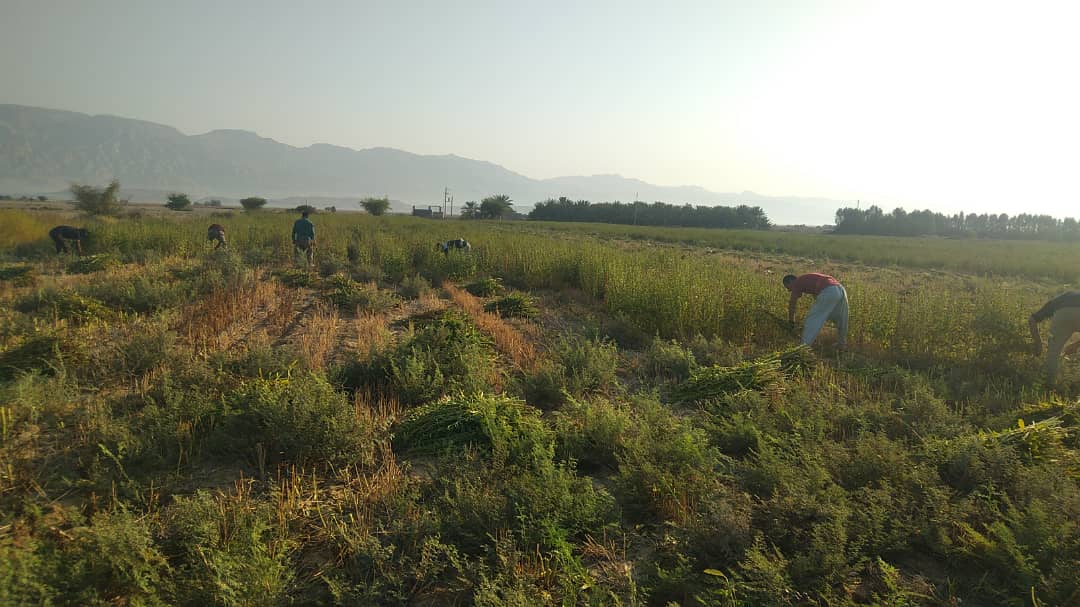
43	150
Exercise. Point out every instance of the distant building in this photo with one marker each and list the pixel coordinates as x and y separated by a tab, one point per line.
433	211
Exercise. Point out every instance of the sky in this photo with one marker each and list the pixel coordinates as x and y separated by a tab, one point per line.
949	105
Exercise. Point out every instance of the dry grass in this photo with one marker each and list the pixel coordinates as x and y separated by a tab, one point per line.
226	316
317	342
372	334
509	341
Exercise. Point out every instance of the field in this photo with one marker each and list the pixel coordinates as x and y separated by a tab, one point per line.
571	414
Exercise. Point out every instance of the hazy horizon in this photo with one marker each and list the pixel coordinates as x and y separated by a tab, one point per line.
949	106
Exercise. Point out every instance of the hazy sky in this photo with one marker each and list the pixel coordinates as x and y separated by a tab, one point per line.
952	105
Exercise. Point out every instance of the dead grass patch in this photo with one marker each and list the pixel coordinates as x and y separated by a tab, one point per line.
509	341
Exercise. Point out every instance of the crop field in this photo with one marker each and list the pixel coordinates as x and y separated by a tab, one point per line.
568	414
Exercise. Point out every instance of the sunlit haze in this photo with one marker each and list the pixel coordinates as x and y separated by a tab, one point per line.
949	105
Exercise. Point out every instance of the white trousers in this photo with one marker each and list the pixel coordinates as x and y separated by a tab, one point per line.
830	304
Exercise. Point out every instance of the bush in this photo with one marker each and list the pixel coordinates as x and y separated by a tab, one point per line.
592	432
295	278
20	276
375	206
142	294
301	420
93	263
98	201
668	360
115	560
252	203
38	353
414	287
514	305
444	356
589	365
666	466
63	303
507	429
351	296
707	383
178	202
228	551
485	287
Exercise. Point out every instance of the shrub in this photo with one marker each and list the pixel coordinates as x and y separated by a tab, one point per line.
115	560
589	365
98	201
707	383
514	305
302	420
503	427
140	294
252	203
228	551
485	287
21	276
375	206
414	287
351	296
668	360
666	465
63	303
37	353
178	202
93	263
295	278
444	356
592	432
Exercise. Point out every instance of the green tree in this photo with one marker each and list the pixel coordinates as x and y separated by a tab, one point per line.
98	201
375	206
213	203
305	207
252	203
495	207
42	198
471	210
178	202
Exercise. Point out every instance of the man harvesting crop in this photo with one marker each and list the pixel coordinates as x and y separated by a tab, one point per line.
303	237
216	232
1064	314
458	243
830	303
61	234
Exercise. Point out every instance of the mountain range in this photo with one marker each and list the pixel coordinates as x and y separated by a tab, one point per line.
43	151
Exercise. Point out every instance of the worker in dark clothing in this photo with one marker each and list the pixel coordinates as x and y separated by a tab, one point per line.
303	237
1064	314
216	232
459	243
61	234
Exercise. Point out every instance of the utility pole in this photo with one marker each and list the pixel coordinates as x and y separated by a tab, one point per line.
448	199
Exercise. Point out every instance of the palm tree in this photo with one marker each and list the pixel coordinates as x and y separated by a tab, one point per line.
471	210
495	207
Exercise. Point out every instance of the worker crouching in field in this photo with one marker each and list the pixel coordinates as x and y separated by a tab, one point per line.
303	237
1064	314
459	243
216	233
830	303
61	234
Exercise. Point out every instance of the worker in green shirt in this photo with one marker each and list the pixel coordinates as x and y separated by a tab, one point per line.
303	237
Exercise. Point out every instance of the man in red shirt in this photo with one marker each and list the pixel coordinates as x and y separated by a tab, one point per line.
830	303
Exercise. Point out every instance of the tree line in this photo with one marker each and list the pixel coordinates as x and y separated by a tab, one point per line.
655	214
874	220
